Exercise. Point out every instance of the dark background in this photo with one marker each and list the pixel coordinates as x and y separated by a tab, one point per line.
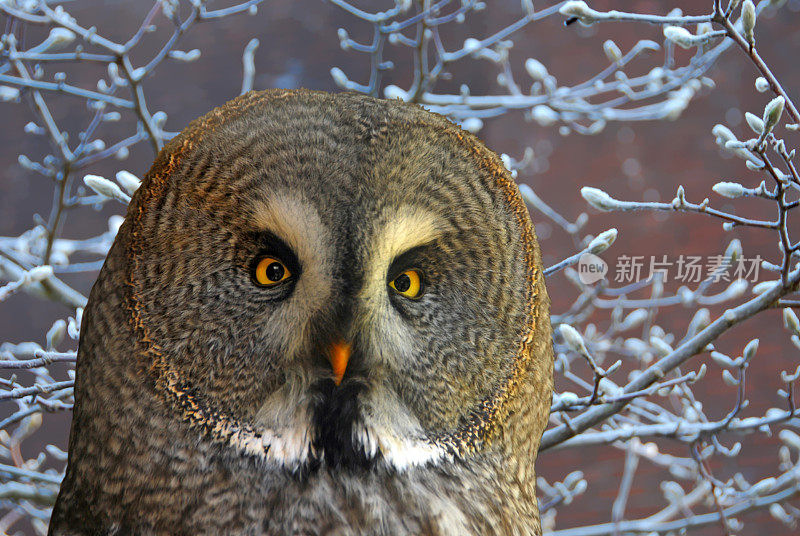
644	161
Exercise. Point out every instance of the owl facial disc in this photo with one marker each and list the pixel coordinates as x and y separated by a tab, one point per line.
363	286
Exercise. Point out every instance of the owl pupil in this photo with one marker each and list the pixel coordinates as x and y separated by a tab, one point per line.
275	271
402	283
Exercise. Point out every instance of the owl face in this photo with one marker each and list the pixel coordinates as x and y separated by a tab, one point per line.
340	280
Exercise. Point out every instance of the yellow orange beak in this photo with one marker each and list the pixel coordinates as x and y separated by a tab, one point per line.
339	356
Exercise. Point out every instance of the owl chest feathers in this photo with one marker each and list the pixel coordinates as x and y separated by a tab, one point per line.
296	479
205	490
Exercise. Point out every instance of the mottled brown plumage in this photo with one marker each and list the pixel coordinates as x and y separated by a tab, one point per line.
205	401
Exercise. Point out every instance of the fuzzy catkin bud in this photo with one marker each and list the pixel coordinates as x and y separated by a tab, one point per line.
472	124
790	438
790	320
633	319
750	350
729	379
56	334
749	21
129	182
602	241
580	10
721	359
544	115
764	286
660	346
598	199
723	134
700	320
734	250
779	512
339	78
106	188
394	92
536	69
704	28
573	339
731	190
187	57
471	44
754	122
341	33
613	53
58	38
680	36
772	113
8	93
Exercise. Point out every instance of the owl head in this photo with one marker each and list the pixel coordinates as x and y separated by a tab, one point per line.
340	280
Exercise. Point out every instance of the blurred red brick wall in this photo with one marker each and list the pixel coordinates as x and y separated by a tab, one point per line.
298	47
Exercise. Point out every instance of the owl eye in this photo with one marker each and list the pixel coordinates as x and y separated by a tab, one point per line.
408	284
270	271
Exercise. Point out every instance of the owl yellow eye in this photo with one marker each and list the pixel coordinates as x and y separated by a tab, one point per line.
408	284
270	271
